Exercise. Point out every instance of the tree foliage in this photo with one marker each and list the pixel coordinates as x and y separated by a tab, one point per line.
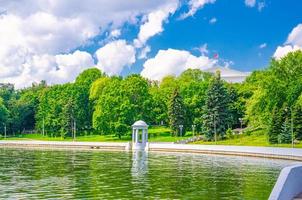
216	118
176	110
270	99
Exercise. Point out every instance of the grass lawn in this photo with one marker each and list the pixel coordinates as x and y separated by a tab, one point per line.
88	138
163	134
257	138
157	134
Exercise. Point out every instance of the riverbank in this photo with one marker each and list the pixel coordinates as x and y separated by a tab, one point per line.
265	152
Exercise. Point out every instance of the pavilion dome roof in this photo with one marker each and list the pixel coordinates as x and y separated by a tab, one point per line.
140	123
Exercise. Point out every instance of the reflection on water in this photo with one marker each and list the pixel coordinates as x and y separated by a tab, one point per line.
53	174
139	165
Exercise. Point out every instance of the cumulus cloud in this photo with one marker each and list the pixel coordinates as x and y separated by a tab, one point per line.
60	68
282	51
114	56
194	6
173	62
115	33
293	43
144	52
295	37
154	23
37	29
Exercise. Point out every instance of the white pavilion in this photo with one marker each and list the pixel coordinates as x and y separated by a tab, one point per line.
140	135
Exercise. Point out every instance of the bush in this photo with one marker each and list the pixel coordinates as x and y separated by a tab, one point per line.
229	134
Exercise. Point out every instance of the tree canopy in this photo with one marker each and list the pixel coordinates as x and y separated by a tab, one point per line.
269	99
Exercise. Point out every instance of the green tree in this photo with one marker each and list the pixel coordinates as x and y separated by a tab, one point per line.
285	132
297	119
280	83
275	126
216	109
88	76
3	115
177	113
193	84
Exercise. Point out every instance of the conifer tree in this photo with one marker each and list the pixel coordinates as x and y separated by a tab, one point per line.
176	112
297	121
216	110
285	133
275	127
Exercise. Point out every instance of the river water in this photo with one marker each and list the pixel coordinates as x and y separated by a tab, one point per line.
72	174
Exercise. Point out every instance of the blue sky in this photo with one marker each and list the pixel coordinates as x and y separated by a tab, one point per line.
56	40
237	34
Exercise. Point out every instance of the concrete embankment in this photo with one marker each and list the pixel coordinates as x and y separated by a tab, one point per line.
265	152
65	145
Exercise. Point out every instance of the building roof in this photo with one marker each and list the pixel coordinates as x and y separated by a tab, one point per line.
229	75
140	124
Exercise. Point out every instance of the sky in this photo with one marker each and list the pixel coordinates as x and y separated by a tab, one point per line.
55	40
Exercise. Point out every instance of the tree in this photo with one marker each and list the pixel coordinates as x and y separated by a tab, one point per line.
193	84
280	83
68	119
275	127
176	112
297	119
119	102
3	115
236	105
216	109
88	76
285	132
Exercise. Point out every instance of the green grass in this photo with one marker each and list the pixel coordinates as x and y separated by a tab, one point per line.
256	138
89	138
163	134
157	134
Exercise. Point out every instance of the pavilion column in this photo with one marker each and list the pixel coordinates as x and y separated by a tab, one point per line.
133	135
146	136
143	136
136	136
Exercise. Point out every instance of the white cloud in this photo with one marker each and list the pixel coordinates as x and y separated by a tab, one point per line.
115	33
194	6
293	43
282	51
61	68
114	56
38	30
213	20
295	37
154	23
70	65
173	62
47	32
250	3
263	45
144	52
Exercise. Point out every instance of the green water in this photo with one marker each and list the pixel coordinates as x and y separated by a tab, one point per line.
49	174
